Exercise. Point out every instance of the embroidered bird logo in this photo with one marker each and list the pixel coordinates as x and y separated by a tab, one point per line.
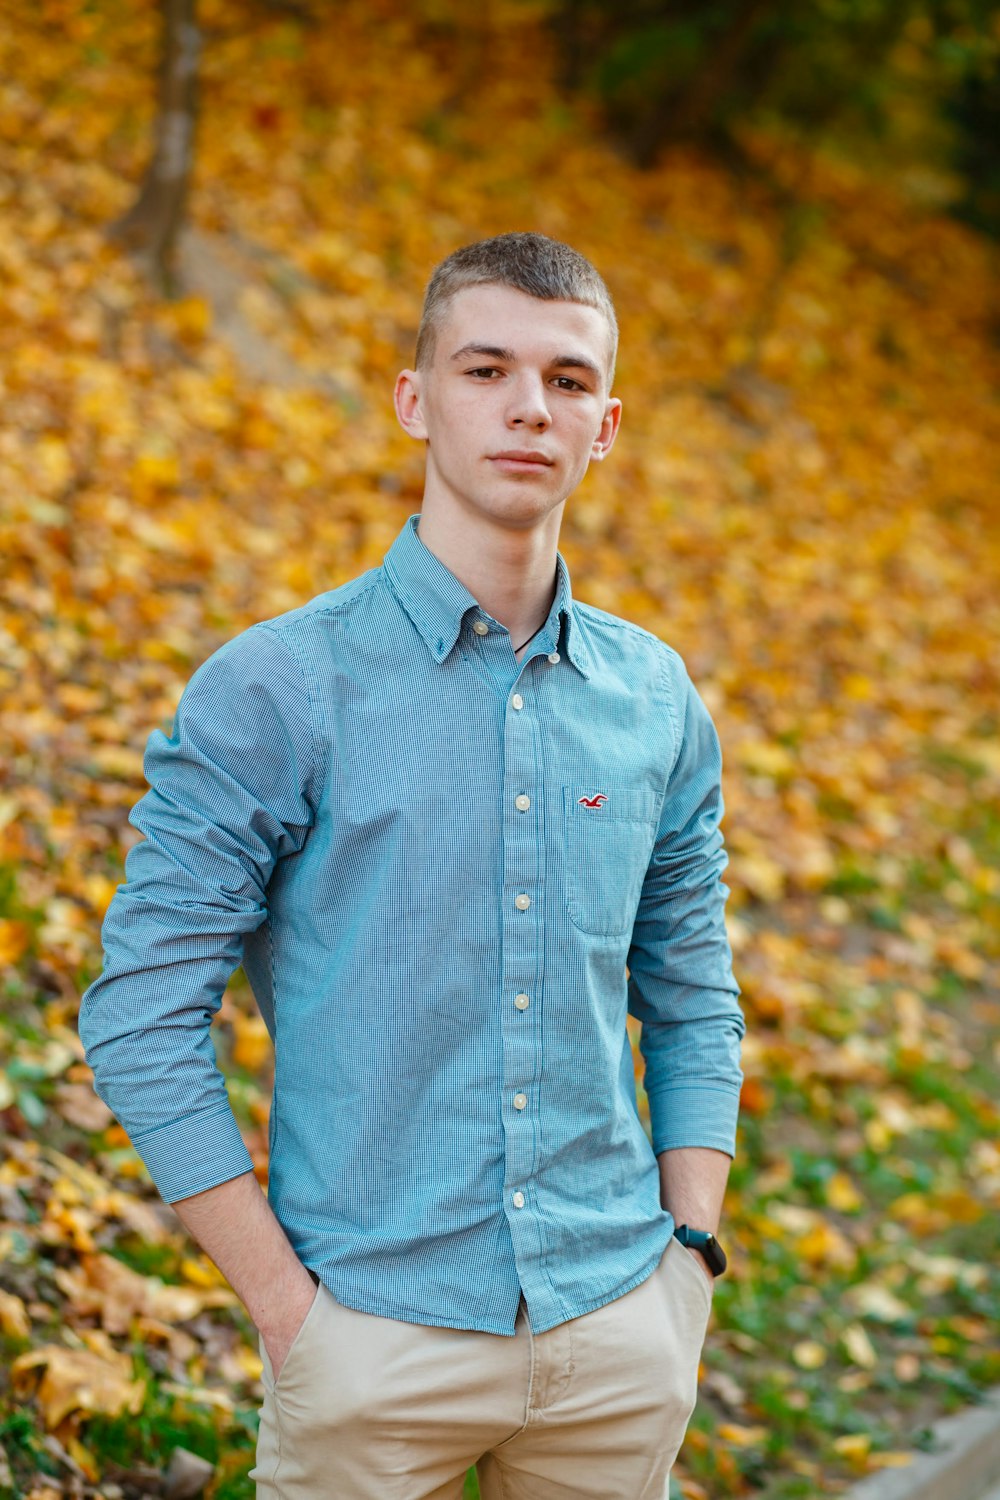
595	801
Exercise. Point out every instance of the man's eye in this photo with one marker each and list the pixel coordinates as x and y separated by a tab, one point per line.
484	372
566	383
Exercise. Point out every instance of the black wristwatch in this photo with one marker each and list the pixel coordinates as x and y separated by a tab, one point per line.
706	1244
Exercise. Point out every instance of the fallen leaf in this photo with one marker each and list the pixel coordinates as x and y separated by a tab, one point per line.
855	1447
809	1355
14	1320
859	1346
742	1437
104	1286
78	1380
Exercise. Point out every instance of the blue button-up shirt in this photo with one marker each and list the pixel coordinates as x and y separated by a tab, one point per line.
436	864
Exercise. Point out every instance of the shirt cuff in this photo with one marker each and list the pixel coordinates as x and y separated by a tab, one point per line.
191	1155
682	1117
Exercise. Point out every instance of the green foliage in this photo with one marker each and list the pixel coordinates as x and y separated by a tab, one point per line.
974	108
226	1441
665	70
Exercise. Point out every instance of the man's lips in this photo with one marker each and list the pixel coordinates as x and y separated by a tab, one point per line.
526	460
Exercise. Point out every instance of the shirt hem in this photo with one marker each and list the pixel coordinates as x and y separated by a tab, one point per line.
602	1301
405	1314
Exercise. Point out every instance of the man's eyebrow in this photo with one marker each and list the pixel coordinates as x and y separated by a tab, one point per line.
491	351
577	362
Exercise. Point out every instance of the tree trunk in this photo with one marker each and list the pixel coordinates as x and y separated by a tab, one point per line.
150	227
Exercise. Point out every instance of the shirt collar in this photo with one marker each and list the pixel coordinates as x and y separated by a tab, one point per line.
437	602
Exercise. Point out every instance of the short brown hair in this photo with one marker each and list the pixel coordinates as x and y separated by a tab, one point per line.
530	263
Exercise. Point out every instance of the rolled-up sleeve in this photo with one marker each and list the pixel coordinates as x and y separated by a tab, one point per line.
681	983
231	791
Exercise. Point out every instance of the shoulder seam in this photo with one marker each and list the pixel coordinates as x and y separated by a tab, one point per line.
618	622
315	740
667	658
605	617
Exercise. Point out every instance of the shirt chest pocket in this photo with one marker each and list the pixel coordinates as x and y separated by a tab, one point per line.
610	832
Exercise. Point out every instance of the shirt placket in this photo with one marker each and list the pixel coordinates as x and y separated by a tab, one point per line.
521	974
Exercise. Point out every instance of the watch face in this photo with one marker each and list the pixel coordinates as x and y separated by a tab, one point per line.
714	1254
705	1242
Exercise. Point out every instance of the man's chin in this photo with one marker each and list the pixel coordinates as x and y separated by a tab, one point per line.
518	511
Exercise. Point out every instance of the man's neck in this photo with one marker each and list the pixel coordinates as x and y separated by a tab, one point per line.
511	574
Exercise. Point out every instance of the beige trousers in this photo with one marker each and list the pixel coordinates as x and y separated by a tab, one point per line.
368	1408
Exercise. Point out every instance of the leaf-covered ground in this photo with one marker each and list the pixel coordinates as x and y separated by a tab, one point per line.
803	502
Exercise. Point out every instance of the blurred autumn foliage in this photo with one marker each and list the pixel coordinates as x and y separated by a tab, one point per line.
803	502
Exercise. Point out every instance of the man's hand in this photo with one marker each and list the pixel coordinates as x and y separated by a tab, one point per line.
235	1225
283	1330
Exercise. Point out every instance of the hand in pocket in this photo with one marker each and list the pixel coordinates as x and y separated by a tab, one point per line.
283	1330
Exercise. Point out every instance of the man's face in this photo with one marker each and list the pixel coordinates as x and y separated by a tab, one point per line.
514	404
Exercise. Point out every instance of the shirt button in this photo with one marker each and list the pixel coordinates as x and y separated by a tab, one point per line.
522	803
517	701
522	902
518	1200
480	627
522	1002
520	1100
553	657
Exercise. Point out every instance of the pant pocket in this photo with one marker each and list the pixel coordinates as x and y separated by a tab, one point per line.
683	1260
301	1337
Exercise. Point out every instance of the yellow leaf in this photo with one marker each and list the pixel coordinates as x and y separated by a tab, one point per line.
842	1195
766	758
118	760
250	1362
855	1447
83	1456
191	317
252	1045
14	1320
78	1380
14	939
809	1355
859	1346
202	1395
742	1437
201	1272
825	1245
892	1459
153	471
878	1135
106	1287
761	876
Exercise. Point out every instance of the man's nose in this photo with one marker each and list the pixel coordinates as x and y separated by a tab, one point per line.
528	406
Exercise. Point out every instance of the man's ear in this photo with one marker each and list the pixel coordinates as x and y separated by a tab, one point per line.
407	400
608	430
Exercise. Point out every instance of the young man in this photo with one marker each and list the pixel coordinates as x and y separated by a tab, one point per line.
436	812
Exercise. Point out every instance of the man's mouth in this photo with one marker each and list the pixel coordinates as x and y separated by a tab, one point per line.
521	461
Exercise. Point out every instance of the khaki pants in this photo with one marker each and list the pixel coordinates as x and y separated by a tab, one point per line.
368	1408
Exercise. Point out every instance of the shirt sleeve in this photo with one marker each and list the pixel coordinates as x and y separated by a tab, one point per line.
231	791
681	983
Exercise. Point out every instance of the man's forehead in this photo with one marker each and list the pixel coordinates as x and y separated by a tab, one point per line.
502	318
